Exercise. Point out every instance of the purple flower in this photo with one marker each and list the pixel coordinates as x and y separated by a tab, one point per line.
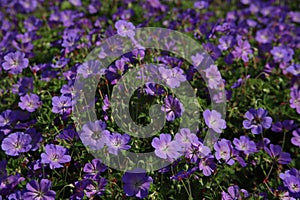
239	82
295	99
286	125
196	151
165	148
276	153
201	4
68	134
294	69
16	143
90	69
245	145
295	16
60	63
185	138
173	77
94	169
226	42
214	77
96	188
257	120
154	89
55	156
32	23
207	165
30	102
125	28
62	105
234	193
17	195
15	62
197	59
6	118
282	54
213	120
136	183
94	134
80	187
224	150
9	183
264	36
291	181
296	139
115	72
242	50
117	142
23	86
212	50
172	107
39	191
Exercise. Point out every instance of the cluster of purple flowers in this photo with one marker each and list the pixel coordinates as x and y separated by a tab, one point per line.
255	47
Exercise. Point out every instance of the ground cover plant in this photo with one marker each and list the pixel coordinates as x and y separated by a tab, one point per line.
211	112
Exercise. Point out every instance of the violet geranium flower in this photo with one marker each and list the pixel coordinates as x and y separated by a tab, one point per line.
245	145
94	134
15	62
166	148
173	77
136	183
291	181
39	191
125	28
213	120
214	77
55	155
16	143
94	169
30	102
117	142
242	50
224	151
62	105
257	120
172	107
